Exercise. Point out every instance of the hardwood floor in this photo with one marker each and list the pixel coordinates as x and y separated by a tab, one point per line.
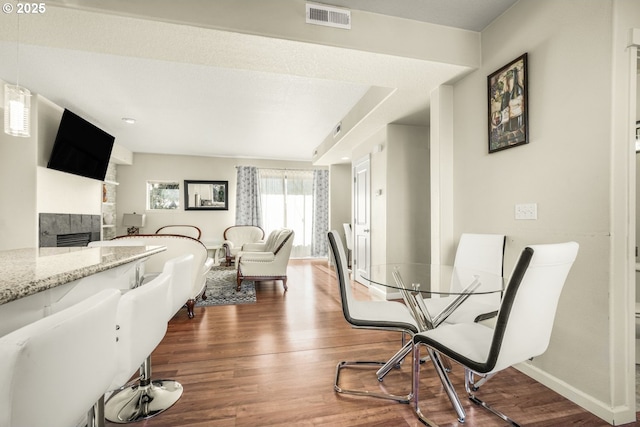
272	364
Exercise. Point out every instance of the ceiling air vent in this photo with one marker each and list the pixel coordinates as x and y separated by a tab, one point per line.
329	16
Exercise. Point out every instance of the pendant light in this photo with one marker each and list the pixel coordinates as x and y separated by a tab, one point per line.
17	101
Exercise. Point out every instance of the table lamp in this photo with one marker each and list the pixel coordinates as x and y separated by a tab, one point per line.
133	221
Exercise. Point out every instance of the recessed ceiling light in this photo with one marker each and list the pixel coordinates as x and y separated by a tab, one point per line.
345	158
128	120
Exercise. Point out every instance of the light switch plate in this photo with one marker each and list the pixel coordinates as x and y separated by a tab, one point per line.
526	211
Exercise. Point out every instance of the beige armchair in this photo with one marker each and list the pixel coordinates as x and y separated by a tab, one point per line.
177	246
268	260
236	236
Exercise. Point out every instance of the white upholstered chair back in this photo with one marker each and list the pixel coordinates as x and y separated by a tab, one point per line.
348	235
241	234
525	320
55	369
363	313
484	252
342	271
176	246
142	319
180	269
276	240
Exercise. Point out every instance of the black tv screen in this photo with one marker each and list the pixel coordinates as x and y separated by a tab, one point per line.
81	148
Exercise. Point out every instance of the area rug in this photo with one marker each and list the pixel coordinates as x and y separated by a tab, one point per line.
221	289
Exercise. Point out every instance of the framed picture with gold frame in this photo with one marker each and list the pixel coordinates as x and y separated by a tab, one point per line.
508	105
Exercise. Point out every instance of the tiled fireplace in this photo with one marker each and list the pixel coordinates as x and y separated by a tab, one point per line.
68	229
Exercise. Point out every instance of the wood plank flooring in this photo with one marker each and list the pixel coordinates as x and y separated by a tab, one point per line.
272	364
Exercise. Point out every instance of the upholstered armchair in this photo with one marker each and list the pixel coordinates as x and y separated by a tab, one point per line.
177	245
236	236
266	260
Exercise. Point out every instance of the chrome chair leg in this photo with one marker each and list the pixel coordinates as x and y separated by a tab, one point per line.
446	382
347	364
415	389
95	417
471	387
144	399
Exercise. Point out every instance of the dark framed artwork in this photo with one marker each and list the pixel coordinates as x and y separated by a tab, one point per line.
508	105
206	195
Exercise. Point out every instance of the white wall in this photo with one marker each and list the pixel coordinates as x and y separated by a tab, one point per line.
407	194
18	218
400	183
566	169
131	192
340	188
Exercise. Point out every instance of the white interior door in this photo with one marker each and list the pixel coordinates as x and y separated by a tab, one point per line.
361	220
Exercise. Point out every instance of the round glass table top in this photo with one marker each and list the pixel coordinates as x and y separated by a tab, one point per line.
434	279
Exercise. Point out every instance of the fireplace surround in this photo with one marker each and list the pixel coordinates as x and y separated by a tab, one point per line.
56	229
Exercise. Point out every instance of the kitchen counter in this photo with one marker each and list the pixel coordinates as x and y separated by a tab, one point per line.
26	272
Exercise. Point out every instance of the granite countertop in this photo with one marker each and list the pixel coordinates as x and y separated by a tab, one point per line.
28	271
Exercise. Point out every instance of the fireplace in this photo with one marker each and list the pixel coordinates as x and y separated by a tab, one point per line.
73	239
63	230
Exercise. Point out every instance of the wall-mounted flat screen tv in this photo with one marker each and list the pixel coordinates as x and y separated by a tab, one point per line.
81	148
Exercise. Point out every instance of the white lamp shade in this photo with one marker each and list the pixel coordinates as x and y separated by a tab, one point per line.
133	220
17	111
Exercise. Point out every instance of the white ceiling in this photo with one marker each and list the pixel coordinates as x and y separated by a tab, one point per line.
200	91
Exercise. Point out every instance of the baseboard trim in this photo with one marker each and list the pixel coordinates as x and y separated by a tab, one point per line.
613	415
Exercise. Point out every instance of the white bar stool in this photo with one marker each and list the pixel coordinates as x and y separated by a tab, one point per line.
142	319
54	370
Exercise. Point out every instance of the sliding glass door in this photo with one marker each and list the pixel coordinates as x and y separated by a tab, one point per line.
287	198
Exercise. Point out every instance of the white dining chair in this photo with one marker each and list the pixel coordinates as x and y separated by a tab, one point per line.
376	315
483	253
522	332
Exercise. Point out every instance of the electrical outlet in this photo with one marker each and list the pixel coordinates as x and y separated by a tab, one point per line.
526	211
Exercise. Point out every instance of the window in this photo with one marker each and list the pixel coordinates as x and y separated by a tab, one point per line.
163	195
287	201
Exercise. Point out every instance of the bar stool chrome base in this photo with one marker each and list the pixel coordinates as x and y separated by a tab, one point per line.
142	400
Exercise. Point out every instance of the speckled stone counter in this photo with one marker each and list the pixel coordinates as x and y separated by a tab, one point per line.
25	272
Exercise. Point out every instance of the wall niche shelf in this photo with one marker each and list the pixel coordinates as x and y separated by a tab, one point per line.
109	186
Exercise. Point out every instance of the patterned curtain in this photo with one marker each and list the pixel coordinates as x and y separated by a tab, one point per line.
248	208
320	213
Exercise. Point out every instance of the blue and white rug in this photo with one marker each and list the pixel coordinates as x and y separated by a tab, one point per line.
221	289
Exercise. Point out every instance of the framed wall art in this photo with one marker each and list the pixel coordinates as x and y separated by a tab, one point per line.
206	195
508	105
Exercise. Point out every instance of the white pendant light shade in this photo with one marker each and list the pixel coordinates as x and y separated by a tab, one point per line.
17	111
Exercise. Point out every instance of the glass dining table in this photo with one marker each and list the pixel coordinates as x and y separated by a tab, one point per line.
434	293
